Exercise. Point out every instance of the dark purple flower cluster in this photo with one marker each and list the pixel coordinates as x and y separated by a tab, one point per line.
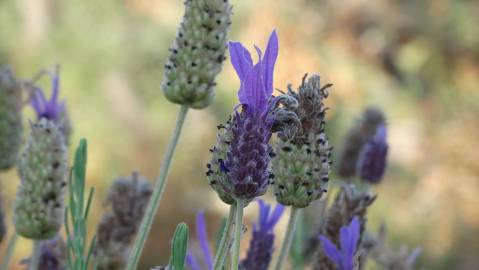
372	158
260	248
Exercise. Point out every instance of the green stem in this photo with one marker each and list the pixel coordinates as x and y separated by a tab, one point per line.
288	238
35	259
223	246
8	255
237	236
157	193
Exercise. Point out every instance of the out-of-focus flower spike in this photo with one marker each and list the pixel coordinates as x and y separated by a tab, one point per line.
197	53
358	135
372	158
349	235
10	119
53	254
43	168
128	198
192	262
262	242
348	203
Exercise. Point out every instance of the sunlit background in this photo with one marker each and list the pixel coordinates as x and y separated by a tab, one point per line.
417	60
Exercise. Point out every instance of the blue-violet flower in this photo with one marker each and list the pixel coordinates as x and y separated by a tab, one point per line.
349	237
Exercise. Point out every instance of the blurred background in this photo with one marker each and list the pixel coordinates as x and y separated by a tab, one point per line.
417	60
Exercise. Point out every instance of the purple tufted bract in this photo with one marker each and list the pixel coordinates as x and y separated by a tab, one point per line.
49	109
349	237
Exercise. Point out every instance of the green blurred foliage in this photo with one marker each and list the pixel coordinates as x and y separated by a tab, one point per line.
418	60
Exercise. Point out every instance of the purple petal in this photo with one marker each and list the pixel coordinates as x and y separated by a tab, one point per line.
263	213
331	250
252	90
55	88
269	61
192	263
381	133
240	58
276	215
203	238
349	236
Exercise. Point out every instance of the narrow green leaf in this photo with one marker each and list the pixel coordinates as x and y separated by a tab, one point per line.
179	247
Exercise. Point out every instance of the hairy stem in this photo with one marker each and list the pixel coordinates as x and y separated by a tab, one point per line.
288	238
237	235
8	254
224	242
157	193
35	259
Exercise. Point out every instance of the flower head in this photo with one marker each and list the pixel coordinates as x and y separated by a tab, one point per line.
240	165
372	158
349	237
261	245
49	109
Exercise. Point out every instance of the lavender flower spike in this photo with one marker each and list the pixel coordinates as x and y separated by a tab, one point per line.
372	158
49	109
261	245
349	237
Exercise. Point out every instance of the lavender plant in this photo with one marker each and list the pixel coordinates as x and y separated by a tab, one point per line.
195	60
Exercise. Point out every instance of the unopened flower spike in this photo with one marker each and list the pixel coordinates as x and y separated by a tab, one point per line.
302	163
239	168
372	158
261	245
127	198
10	118
343	256
197	53
43	169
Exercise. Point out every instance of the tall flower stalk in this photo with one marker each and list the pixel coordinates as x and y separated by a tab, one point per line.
194	62
240	167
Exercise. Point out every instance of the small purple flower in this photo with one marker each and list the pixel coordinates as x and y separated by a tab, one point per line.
204	245
261	245
372	158
248	156
50	109
349	237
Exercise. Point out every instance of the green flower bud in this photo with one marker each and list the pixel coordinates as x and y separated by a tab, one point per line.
216	173
302	163
10	119
197	53
301	171
43	168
